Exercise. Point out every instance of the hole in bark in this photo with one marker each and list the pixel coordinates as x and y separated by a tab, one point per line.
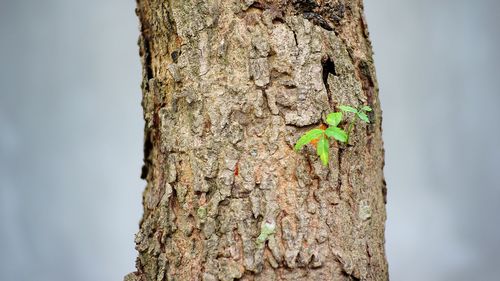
148	146
328	68
175	55
278	20
305	5
149	69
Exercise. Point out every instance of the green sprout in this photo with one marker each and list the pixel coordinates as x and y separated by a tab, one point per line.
202	212
267	229
360	113
319	136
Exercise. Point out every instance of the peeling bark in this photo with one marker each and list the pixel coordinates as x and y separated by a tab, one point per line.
228	87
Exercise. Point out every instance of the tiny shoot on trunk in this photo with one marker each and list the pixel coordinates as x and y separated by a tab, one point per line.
319	137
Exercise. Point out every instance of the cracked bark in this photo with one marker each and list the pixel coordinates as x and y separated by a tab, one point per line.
228	87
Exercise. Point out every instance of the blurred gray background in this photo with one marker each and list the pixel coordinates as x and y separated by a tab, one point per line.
71	137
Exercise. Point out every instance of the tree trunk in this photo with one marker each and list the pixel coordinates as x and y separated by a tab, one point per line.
228	88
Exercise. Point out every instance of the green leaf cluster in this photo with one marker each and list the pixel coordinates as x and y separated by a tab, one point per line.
266	230
360	113
320	137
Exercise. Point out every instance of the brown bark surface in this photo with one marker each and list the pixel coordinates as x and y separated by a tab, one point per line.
228	88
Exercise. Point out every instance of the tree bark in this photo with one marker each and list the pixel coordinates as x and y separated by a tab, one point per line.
228	88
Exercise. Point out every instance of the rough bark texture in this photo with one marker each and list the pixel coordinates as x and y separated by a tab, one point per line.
228	88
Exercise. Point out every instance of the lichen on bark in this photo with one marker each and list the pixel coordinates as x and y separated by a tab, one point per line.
228	87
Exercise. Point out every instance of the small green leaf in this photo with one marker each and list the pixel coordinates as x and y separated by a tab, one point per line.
334	118
363	116
202	212
322	150
308	137
267	229
366	108
336	133
347	108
